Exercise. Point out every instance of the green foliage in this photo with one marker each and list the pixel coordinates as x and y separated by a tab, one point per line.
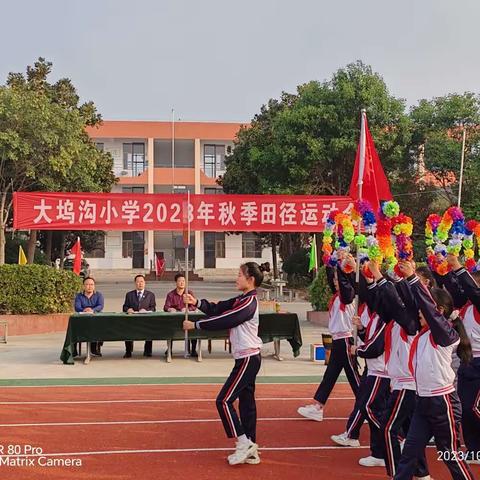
319	291
37	289
296	268
305	143
11	251
436	140
297	262
43	142
308	139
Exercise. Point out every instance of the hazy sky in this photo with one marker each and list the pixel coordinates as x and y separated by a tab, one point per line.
220	60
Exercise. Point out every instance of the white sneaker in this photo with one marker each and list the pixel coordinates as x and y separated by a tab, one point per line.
242	452
254	459
371	462
428	477
345	441
311	412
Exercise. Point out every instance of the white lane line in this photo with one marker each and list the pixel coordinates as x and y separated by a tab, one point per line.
157	384
154	422
181	450
163	400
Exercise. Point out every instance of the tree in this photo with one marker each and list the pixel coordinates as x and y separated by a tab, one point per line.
43	143
309	139
435	147
437	137
305	143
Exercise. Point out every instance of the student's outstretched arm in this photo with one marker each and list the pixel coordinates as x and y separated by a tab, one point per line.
443	332
240	313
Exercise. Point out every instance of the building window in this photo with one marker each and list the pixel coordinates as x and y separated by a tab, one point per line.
96	247
212	191
180	189
133	189
127	245
100	146
213	160
134	157
251	245
219	244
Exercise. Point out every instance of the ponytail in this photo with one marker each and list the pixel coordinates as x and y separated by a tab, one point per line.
254	270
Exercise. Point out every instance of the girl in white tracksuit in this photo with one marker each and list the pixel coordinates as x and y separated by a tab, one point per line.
239	315
438	409
340	312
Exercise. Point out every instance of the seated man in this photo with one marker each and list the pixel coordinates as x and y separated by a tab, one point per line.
139	300
90	301
174	303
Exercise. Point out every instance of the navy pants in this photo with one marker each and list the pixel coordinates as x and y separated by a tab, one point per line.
370	404
399	412
438	416
357	416
469	393
240	384
340	359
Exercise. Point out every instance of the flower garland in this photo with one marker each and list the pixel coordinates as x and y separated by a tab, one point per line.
436	232
366	243
468	245
436	249
388	211
340	223
402	227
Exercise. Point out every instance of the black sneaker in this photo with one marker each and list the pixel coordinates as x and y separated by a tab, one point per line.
128	355
194	354
147	354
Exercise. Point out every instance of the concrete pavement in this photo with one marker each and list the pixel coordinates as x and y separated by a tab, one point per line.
37	356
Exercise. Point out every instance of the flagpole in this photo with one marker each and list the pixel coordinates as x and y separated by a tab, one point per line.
462	159
316	253
361	170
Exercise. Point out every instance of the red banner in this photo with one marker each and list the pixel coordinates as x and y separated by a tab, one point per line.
127	211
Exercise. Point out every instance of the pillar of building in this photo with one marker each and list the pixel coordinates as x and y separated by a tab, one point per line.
199	255
150	189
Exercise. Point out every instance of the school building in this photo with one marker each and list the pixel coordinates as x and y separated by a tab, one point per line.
170	157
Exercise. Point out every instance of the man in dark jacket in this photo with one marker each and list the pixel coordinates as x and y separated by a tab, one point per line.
139	300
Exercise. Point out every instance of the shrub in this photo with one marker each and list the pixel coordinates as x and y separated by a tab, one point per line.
319	291
26	289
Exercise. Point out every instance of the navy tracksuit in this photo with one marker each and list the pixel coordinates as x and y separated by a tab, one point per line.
370	404
340	356
240	384
438	410
396	304
374	386
340	359
241	316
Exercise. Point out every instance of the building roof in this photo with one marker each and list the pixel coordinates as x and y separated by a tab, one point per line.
163	176
429	178
163	130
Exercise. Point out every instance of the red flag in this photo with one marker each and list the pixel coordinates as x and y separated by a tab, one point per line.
77	251
375	185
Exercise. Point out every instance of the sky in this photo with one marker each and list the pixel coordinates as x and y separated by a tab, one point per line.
220	60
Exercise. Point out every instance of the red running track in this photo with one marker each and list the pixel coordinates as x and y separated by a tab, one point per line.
172	431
